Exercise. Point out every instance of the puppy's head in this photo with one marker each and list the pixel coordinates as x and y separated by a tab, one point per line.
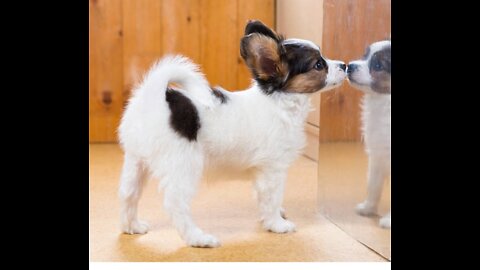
287	65
372	72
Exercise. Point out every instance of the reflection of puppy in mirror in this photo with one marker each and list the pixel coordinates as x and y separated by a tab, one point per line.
372	75
174	133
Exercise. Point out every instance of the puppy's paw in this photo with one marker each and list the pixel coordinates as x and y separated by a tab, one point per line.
203	240
136	227
385	222
279	225
365	209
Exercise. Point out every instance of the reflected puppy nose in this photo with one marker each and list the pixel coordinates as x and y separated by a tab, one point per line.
351	68
343	66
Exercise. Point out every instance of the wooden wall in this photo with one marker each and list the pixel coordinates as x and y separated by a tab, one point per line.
127	36
349	26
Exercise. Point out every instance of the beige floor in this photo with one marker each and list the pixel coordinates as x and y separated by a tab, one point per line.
224	208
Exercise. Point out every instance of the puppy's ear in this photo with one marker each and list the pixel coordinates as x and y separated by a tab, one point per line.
254	26
262	51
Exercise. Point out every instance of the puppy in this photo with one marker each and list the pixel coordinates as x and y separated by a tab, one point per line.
372	75
174	133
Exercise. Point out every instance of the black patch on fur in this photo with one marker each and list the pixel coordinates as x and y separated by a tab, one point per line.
380	70
270	85
219	94
184	117
381	60
301	58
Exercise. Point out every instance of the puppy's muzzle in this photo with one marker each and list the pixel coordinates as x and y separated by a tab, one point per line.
351	68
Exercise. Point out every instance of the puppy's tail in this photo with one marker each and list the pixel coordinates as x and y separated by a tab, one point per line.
179	70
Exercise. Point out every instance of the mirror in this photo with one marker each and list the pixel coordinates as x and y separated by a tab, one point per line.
349	27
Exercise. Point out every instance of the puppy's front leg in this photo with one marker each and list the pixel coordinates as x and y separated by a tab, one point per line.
377	172
270	185
385	220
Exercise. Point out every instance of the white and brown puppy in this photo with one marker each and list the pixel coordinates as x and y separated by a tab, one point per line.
174	133
372	75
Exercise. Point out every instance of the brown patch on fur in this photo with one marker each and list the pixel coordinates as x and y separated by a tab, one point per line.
261	53
381	77
381	82
308	82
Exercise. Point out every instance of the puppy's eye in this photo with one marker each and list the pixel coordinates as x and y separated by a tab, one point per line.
377	66
319	65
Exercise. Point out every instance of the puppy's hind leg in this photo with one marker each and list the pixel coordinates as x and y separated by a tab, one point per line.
131	186
377	172
179	186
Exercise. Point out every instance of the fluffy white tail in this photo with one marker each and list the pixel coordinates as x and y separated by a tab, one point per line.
180	70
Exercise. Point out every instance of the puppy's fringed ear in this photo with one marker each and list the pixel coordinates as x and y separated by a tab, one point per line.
261	55
254	26
262	51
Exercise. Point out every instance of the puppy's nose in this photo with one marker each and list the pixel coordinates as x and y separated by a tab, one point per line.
351	68
343	66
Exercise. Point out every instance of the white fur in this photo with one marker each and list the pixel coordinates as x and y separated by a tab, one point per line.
335	75
251	130
376	120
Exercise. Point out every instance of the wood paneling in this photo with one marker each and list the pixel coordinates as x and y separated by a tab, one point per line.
106	70
181	28
349	27
218	43
142	31
127	36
